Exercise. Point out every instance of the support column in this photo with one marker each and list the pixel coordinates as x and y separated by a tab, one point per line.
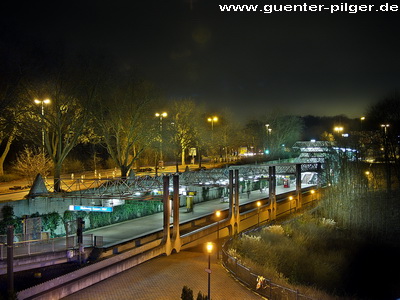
237	186
272	190
230	187
237	204
319	175
175	207
298	186
10	261
167	211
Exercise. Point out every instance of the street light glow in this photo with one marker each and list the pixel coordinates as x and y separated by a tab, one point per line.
209	247
212	119
218	213
164	114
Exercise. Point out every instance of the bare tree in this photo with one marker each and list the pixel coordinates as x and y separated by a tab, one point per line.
183	127
59	125
124	119
10	117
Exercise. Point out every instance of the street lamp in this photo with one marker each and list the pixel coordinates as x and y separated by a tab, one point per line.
218	215
268	130
161	116
388	171
42	102
209	248
212	120
338	129
361	122
258	203
385	127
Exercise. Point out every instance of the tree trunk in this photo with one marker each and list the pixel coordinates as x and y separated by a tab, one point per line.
124	171
183	156
57	177
5	152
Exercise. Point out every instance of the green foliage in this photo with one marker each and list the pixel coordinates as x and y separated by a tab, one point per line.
187	293
8	218
200	296
128	211
306	253
205	193
50	222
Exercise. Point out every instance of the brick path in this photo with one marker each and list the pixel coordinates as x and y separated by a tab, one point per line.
164	277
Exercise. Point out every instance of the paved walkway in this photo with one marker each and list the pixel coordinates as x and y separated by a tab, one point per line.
163	278
128	230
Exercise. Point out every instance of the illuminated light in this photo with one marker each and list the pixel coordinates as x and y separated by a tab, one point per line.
291	198
258	203
312	141
218	213
209	247
312	191
164	114
366	172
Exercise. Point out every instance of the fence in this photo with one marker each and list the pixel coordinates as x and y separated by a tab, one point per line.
26	248
258	283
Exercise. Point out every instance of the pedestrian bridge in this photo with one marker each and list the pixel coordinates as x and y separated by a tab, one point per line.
179	229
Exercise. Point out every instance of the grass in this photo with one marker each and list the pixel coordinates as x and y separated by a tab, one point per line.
315	255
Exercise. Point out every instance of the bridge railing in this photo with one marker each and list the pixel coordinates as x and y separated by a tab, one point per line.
26	248
259	283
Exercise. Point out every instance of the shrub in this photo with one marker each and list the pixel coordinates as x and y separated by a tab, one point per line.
29	163
187	293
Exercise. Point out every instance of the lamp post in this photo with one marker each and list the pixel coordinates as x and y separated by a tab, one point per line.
258	211
388	170
361	122
212	120
209	248
268	130
161	116
218	215
338	129
42	102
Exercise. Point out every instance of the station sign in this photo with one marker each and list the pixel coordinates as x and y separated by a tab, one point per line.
90	208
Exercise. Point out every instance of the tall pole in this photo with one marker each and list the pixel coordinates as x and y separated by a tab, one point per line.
212	120
209	276
387	162
161	115
42	103
10	260
209	248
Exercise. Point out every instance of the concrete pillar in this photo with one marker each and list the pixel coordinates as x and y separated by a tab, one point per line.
175	207
237	186
237	204
230	187
166	221
298	186
319	175
272	190
10	261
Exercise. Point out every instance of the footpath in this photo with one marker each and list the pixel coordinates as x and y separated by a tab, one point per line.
163	278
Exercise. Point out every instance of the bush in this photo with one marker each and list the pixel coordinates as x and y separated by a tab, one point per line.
187	293
29	163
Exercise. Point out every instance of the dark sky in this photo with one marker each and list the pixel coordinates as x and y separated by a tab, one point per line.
300	62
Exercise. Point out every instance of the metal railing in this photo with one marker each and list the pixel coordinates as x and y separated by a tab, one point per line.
259	283
26	248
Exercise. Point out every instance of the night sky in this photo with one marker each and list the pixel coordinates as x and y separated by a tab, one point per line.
255	63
